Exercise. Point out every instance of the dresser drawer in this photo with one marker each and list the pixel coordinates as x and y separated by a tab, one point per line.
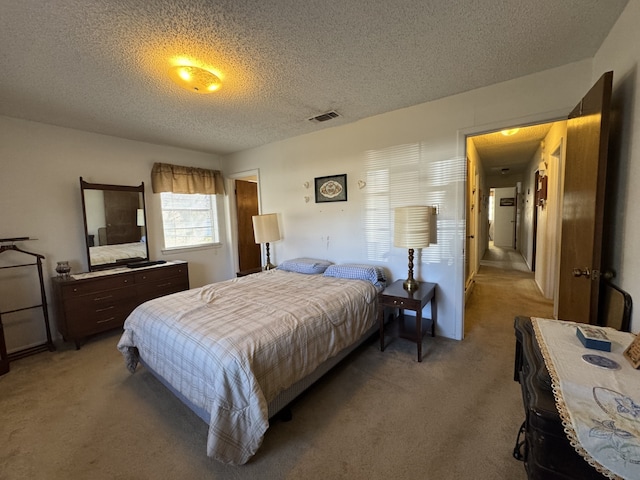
92	324
73	289
102	311
162	273
408	303
98	301
162	287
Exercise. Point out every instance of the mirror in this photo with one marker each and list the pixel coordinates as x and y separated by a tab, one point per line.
114	224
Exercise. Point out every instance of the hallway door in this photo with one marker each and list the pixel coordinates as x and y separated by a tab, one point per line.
504	217
583	204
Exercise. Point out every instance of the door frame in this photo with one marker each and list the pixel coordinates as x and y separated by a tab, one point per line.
559	114
558	154
232	211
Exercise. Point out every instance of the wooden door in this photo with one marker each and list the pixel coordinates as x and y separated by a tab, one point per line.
247	206
583	204
120	210
534	233
470	245
504	217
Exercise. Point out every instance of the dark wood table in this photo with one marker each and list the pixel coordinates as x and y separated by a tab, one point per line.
251	271
396	297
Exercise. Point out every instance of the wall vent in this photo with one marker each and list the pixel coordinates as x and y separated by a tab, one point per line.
325	116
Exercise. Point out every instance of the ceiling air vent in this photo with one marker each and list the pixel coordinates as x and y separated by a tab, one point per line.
324	117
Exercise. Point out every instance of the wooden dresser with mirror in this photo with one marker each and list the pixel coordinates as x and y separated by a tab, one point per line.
121	275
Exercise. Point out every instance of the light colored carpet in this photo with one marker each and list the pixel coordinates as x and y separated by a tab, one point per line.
378	415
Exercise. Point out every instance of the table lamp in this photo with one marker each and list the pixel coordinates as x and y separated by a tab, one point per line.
265	230
411	230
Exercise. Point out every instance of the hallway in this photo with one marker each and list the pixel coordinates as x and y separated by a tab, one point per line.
504	258
504	288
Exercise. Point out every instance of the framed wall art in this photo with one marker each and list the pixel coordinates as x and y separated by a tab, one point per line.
332	188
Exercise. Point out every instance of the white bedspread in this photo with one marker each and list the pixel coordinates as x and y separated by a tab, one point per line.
112	253
231	347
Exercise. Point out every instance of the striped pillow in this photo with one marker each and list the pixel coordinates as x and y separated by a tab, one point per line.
357	271
304	265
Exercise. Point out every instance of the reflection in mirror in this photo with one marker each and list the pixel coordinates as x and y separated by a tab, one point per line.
114	221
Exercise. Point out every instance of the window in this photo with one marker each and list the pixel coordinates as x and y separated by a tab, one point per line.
410	174
189	220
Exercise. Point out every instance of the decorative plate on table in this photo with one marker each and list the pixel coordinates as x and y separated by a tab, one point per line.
600	361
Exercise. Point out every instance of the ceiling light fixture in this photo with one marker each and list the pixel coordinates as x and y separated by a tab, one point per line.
195	79
509	132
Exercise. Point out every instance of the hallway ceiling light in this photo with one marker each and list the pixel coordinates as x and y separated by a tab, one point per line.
195	79
509	132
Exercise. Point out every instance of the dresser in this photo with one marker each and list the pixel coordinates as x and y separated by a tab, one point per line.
90	303
542	443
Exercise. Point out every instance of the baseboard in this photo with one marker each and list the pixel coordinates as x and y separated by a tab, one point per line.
468	289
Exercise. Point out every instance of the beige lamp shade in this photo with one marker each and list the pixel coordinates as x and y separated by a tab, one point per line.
265	228
411	227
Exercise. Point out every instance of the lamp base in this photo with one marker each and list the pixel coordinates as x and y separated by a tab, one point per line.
410	285
269	266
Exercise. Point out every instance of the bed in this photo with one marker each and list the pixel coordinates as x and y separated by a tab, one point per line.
238	351
103	254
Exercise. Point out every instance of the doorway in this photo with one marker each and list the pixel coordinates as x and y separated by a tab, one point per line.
247	207
244	205
506	166
504	217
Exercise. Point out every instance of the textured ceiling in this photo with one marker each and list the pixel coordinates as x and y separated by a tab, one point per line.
101	66
514	152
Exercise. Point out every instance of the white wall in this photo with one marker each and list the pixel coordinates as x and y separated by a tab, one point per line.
620	53
549	216
336	231
40	198
39	188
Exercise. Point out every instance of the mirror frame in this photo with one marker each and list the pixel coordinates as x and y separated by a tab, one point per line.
119	188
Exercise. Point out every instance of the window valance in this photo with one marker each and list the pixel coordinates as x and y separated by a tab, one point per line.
178	179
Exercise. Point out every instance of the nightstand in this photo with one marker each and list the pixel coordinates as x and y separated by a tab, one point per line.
250	271
409	328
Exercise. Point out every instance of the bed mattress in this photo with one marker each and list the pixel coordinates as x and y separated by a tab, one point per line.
231	347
